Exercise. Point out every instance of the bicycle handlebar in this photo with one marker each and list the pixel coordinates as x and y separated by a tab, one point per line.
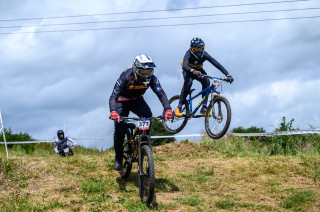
210	77
123	118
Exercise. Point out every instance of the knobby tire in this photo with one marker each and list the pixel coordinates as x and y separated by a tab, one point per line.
178	123
147	179
213	110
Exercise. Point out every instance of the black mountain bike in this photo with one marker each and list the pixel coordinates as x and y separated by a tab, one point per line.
137	148
218	117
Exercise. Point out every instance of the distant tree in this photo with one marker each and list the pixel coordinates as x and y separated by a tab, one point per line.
157	129
287	144
10	136
285	126
251	129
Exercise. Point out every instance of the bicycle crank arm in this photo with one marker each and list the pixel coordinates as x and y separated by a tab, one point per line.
197	116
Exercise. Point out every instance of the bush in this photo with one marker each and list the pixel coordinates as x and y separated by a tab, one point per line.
157	129
284	144
10	136
299	200
291	144
251	129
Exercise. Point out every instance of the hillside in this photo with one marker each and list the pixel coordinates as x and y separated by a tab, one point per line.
225	174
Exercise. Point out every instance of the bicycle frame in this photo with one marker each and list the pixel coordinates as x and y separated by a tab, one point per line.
209	90
138	139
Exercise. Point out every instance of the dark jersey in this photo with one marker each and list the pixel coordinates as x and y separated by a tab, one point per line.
126	88
191	62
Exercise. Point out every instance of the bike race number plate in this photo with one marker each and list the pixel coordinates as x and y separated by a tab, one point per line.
216	82
144	125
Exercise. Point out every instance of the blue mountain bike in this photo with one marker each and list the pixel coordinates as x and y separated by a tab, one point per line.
217	118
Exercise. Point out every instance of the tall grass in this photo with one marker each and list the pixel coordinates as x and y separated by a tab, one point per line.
277	145
284	144
189	177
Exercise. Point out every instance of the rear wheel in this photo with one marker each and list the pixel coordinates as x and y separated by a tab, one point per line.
218	117
127	157
146	175
176	124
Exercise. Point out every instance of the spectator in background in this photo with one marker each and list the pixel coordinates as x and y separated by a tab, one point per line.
62	146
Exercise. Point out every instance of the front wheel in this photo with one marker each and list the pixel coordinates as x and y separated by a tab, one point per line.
146	175
176	124
218	117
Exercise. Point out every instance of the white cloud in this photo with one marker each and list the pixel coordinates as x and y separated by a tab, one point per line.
47	79
266	104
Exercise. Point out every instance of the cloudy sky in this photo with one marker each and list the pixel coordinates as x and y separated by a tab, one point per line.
51	78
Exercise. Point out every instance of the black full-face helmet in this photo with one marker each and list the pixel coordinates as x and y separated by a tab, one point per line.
59	133
143	68
197	47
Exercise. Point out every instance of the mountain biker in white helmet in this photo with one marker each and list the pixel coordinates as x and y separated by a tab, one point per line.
127	96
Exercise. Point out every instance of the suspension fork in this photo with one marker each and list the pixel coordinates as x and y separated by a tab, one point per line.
139	157
140	144
219	105
212	105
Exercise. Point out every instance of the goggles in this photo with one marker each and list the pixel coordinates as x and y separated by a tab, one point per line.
197	48
145	72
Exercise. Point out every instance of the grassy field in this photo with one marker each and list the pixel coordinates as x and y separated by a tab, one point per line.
214	175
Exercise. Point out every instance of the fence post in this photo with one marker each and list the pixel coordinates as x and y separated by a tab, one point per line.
4	136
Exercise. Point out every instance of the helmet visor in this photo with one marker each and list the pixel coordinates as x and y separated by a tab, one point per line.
145	72
61	135
197	49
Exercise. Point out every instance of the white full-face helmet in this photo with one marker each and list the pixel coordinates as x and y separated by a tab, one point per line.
143	68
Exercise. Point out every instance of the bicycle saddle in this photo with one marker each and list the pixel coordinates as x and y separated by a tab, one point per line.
131	125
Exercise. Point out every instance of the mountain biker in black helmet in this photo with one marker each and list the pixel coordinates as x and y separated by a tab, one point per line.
62	142
127	96
192	66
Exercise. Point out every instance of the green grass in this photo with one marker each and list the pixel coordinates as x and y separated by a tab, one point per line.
312	166
299	200
93	186
225	204
191	200
231	174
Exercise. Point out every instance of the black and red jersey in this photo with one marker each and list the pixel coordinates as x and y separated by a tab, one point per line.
127	88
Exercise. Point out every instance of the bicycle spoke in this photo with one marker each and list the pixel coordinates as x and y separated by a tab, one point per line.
146	177
218	123
177	123
126	160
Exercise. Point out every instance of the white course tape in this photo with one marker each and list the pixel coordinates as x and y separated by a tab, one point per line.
295	132
157	136
101	138
27	142
176	136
